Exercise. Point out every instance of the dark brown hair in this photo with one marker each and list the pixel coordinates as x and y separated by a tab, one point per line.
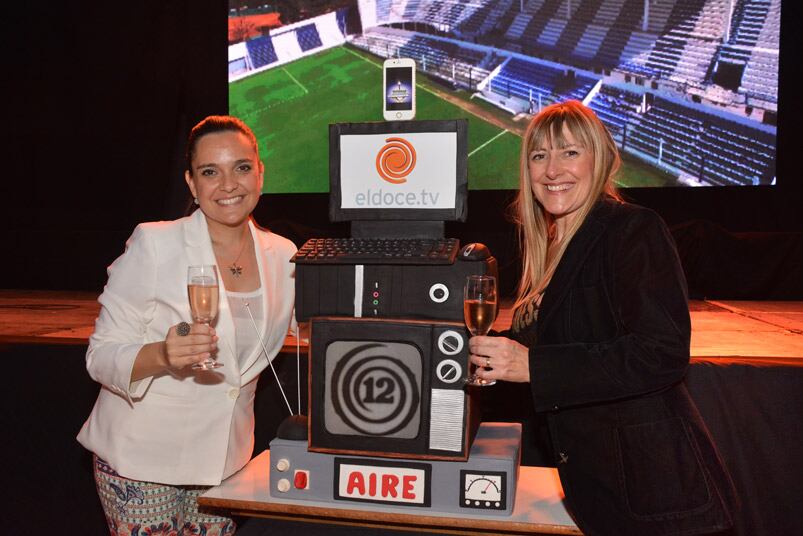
213	124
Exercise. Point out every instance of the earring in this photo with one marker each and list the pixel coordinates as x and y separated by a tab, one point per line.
195	200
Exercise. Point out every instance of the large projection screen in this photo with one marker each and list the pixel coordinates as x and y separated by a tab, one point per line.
688	88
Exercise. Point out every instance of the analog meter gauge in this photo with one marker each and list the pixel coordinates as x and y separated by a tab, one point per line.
487	490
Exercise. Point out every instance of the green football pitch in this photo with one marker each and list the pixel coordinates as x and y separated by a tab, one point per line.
290	107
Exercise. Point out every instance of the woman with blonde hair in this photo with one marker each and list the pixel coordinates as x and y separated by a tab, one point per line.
601	333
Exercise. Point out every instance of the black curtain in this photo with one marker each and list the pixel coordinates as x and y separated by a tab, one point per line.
103	97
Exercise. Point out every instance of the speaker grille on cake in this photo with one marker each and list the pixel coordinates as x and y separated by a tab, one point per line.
446	419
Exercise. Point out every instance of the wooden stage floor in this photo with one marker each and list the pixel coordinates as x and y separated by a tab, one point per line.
720	329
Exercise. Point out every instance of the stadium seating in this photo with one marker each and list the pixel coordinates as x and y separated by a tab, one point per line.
530	81
479	20
261	51
753	43
685	52
517	26
715	147
513	21
578	24
459	63
614	106
411	10
589	34
383	11
308	37
458	16
616	39
550	35
287	43
340	18
738	149
541	17
760	78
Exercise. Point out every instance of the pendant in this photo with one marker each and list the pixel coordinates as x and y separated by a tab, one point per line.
236	270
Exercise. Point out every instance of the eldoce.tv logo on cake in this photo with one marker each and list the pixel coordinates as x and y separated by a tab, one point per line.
395	160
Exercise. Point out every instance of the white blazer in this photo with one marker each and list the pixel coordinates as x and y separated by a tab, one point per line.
192	428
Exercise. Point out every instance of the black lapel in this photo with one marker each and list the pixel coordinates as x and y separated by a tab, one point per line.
573	258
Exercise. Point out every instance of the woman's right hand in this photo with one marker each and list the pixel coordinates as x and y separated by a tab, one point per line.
184	350
499	358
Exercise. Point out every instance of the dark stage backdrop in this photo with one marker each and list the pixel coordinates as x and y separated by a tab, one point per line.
100	97
104	94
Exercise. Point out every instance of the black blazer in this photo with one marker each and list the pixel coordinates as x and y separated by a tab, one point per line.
608	354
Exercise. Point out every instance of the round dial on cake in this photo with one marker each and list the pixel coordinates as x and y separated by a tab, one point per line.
479	487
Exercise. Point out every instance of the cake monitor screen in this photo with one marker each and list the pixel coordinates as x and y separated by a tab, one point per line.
398	170
373	389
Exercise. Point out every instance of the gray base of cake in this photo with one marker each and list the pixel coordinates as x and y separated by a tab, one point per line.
483	484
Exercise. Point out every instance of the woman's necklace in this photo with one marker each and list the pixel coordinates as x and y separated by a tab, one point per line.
237	269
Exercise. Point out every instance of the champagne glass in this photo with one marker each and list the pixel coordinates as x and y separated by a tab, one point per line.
202	289
479	310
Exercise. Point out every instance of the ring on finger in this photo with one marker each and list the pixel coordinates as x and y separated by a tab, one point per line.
182	329
487	362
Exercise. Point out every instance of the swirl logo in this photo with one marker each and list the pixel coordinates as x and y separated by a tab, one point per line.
374	389
395	160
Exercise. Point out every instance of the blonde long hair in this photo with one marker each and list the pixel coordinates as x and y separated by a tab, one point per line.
541	253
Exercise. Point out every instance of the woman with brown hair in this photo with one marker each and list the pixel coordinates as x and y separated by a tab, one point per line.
162	431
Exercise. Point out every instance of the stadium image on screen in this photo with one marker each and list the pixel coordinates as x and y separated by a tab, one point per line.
688	88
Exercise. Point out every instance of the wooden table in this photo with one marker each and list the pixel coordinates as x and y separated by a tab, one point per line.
538	509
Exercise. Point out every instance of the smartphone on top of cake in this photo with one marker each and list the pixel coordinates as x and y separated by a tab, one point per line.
398	85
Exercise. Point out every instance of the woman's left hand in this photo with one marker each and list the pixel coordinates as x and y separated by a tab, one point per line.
506	359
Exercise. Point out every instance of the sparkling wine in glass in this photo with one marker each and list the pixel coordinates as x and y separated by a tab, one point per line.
479	311
202	289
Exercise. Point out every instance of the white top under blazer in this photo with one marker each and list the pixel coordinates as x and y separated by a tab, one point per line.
187	428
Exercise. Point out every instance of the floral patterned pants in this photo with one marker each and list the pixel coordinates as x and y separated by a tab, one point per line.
135	508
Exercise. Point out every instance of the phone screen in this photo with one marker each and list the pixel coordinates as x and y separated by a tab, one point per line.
399	88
